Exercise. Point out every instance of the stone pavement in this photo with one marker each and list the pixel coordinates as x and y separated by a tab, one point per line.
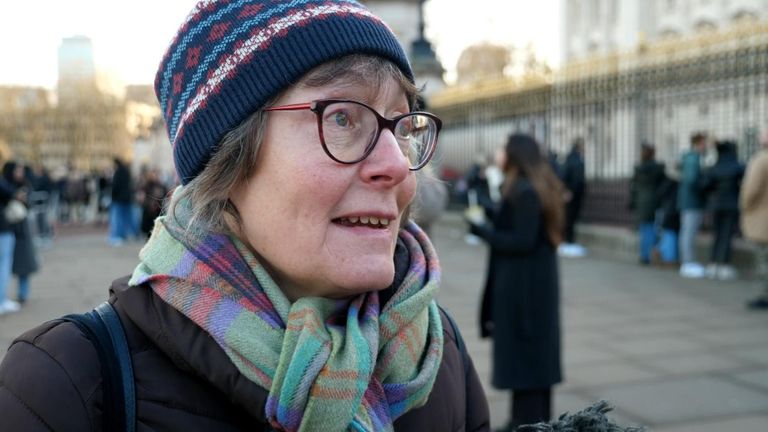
671	354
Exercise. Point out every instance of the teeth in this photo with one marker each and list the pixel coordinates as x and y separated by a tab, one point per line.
368	220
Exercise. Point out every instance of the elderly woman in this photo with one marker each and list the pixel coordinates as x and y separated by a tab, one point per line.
285	289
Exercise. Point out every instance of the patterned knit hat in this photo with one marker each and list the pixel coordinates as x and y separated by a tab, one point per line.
231	56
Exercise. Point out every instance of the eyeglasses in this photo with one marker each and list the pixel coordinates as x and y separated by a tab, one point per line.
349	130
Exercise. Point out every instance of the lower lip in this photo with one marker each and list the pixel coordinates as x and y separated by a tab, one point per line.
366	231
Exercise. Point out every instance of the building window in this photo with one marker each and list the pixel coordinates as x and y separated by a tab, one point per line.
703	109
594	12
671	5
744	16
705	26
744	104
613	11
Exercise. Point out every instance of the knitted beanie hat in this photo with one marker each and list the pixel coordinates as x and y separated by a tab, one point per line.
231	56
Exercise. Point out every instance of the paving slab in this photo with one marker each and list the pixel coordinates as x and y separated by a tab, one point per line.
686	399
757	378
695	363
747	423
754	354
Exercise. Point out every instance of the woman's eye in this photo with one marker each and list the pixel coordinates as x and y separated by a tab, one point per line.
341	119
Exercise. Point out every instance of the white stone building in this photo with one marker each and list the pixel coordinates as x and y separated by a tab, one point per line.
605	26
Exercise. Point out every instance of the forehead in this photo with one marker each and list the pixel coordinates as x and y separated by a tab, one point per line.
372	92
364	76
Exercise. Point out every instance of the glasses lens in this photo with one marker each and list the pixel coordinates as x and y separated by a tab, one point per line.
348	129
416	134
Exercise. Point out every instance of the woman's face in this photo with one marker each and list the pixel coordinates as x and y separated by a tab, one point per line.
299	206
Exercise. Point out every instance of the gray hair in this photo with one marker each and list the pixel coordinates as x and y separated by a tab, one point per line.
234	160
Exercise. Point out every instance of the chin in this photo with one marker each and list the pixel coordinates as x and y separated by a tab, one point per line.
368	279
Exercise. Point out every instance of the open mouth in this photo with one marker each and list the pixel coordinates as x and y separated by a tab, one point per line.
363	221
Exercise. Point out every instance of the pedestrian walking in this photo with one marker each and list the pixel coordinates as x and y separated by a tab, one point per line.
25	261
753	203
669	220
121	225
690	202
153	193
521	300
646	188
575	180
721	183
7	241
478	191
40	200
284	289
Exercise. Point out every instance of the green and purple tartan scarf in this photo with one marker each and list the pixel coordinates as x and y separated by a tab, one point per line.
330	365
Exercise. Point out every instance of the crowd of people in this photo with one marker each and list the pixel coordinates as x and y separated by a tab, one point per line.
483	182
671	201
45	201
533	217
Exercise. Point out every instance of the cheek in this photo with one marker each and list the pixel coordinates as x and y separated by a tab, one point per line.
407	191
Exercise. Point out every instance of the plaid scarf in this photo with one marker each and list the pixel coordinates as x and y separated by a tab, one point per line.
328	364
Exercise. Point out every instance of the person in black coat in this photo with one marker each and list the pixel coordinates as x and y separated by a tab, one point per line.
120	213
670	221
25	261
575	180
721	183
522	293
646	188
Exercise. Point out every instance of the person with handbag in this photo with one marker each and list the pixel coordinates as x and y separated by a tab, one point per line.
25	261
7	241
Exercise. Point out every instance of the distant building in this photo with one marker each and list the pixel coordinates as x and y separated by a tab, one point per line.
598	27
76	63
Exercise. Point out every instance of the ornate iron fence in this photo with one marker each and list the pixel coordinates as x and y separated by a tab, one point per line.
661	94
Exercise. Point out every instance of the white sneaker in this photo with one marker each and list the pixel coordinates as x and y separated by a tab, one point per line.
571	250
726	273
472	240
692	270
579	251
9	306
711	271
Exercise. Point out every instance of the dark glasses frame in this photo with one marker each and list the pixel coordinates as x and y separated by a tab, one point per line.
318	107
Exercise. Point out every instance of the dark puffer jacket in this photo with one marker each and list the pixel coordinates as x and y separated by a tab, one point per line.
722	180
50	378
646	188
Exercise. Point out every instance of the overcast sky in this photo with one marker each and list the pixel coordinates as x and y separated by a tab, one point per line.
129	36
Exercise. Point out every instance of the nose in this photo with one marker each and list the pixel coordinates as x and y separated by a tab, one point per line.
386	165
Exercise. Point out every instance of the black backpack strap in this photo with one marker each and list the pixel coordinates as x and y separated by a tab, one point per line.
465	359
104	329
459	339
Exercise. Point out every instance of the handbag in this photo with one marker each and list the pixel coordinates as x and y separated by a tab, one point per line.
15	211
